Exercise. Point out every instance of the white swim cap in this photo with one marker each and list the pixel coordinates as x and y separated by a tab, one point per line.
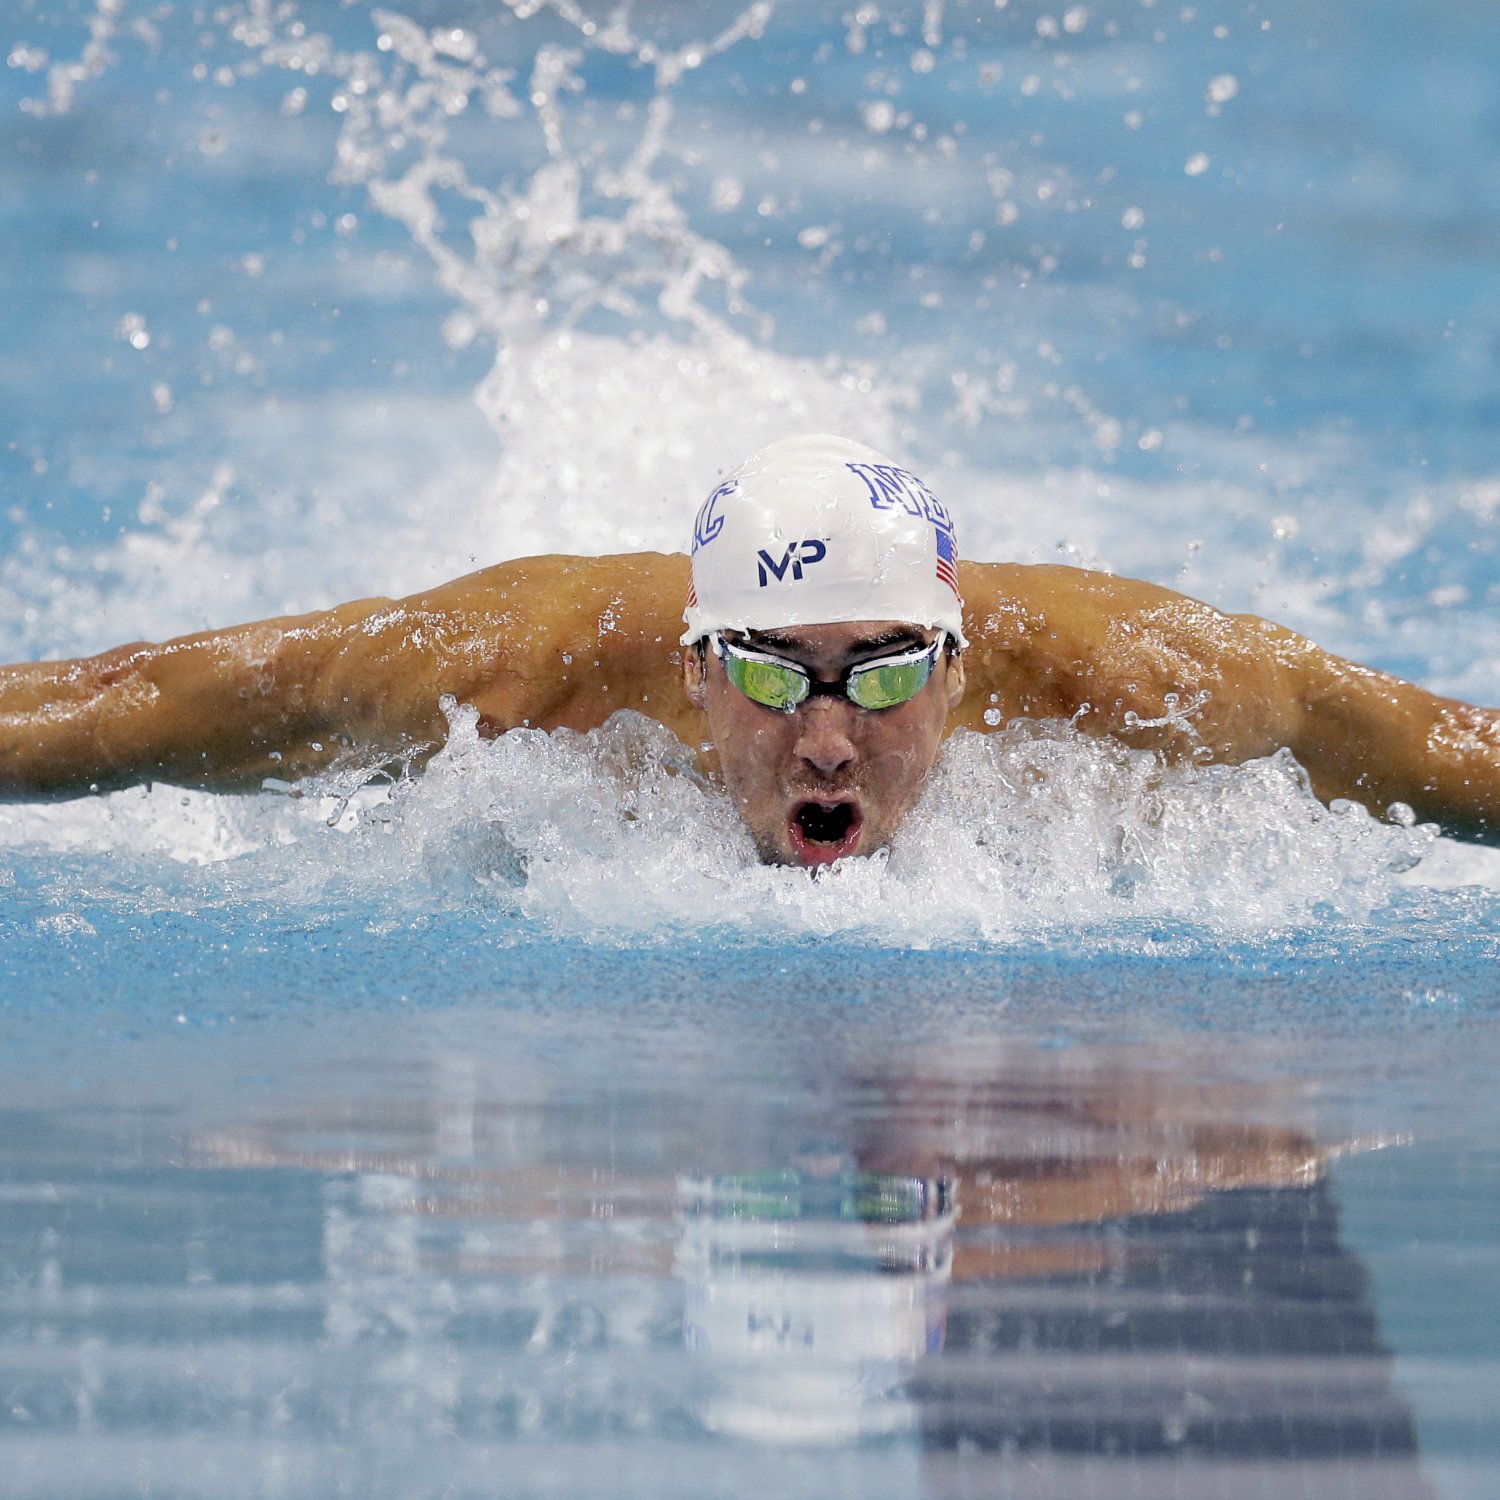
818	531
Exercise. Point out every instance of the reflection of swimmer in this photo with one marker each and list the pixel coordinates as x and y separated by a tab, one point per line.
1143	1292
1033	1153
1149	1295
826	656
1227	1349
812	1285
810	1295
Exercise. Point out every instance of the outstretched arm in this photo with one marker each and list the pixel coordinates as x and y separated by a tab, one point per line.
1159	670
549	641
222	709
1375	739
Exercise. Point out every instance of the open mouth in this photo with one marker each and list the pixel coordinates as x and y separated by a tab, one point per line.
824	831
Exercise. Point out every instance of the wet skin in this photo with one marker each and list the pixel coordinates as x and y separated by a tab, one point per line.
829	779
564	642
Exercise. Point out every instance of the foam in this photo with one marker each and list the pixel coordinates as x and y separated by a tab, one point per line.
1034	830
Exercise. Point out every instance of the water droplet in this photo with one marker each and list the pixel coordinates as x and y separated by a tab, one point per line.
132	328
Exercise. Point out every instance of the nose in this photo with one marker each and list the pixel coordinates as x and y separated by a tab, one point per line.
823	740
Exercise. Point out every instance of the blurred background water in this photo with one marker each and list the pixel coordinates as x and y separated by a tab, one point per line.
511	1132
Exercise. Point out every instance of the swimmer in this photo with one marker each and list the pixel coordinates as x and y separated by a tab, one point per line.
833	640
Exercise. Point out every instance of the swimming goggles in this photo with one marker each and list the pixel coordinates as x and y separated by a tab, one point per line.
885	682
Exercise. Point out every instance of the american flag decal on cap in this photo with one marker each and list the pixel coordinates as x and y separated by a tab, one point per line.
947	559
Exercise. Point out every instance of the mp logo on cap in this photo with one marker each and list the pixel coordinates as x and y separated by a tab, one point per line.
797	556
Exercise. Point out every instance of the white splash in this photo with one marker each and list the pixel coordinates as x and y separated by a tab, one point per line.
1034	830
629	366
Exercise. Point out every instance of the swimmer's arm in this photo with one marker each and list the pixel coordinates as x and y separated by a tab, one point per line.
1106	652
1378	740
222	709
545	641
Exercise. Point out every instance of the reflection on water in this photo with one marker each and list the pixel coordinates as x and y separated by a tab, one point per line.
977	1269
812	1294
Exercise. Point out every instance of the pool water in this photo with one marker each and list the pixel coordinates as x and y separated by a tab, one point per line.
509	1131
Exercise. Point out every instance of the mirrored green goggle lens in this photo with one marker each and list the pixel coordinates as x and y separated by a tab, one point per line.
886	686
766	682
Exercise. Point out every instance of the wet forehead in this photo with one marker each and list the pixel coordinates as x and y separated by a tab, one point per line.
834	646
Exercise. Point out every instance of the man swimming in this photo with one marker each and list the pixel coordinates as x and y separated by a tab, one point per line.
826	655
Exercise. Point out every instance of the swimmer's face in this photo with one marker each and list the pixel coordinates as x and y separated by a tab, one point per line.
828	779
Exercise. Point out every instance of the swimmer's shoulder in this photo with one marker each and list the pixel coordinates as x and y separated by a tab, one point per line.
556	640
1020	606
1046	639
615	593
